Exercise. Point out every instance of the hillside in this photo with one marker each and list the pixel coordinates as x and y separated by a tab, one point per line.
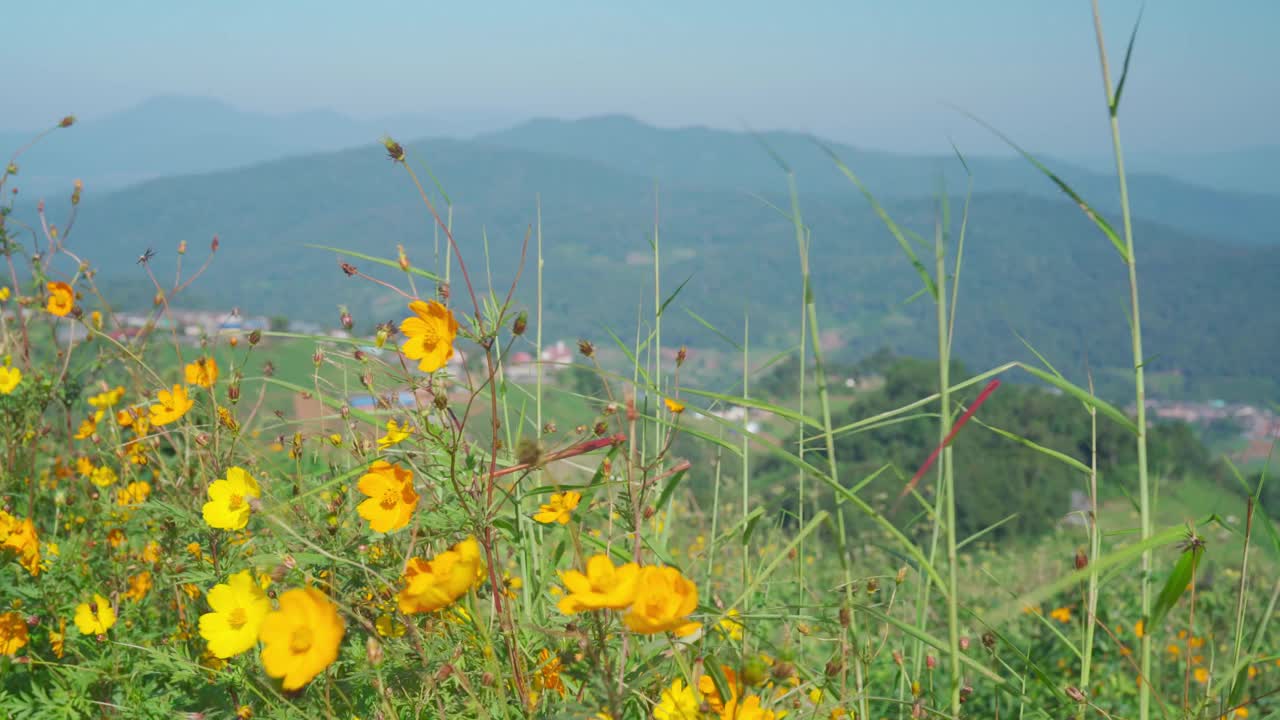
701	157
1033	266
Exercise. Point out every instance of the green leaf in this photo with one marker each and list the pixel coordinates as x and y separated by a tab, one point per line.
1084	397
1181	576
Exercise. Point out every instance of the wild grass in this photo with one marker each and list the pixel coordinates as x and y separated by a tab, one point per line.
706	594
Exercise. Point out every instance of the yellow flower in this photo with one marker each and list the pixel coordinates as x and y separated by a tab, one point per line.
20	536
1138	628
730	626
674	406
202	372
432	584
387	626
9	379
84	466
301	639
679	702
89	426
139	586
707	686
430	334
107	398
239	608
548	677
603	586
116	537
559	509
228	506
103	476
1062	614
57	637
61	298
151	553
1201	675
135	493
96	617
391	496
748	709
170	405
13	633
395	433
664	599
1173	650
96	318
4	293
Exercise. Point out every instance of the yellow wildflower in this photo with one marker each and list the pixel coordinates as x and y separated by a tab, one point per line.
13	633
391	496
239	607
103	476
301	639
139	586
559	509
61	298
1062	614
135	493
170	405
675	407
433	584
664	599
602	586
430	334
228	506
95	617
395	434
678	702
203	372
9	379
106	398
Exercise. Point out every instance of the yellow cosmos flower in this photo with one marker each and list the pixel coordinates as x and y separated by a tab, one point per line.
89	426
170	405
96	318
603	586
84	466
4	293
13	633
107	398
664	599
430	334
139	586
9	379
748	709
58	637
228	506
20	536
388	626
707	687
433	584
202	372
1139	628
96	617
151	553
61	298
731	626
301	639
135	493
548	677
391	496
1201	675
1062	614
103	476
678	702
559	509
395	434
239	608
675	407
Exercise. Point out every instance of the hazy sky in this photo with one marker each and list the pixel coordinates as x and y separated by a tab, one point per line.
874	73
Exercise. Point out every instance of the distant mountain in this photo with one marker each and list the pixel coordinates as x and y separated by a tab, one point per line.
1034	265
706	158
174	135
1244	170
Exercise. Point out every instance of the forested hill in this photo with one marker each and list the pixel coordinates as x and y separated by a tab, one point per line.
1034	265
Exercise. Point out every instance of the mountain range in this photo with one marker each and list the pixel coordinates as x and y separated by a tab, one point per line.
1034	266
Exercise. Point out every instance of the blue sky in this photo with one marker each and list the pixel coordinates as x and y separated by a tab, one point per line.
877	74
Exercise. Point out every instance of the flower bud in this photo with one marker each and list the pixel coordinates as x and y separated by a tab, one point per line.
521	323
394	151
76	188
681	354
255	337
347	322
586	348
213	244
440	400
403	259
182	247
67	121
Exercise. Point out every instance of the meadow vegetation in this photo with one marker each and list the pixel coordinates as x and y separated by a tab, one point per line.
612	542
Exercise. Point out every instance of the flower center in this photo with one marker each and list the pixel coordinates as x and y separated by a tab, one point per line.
389	500
300	640
235	501
238	618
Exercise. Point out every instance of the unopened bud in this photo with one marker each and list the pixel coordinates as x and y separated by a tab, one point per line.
348	268
833	668
930	661
347	322
902	575
213	244
404	259
345	412
1076	694
268	367
601	428
873	586
521	324
845	617
182	247
964	643
67	121
317	357
76	188
988	640
233	391
394	151
1082	560
158	299
440	400
681	354
586	348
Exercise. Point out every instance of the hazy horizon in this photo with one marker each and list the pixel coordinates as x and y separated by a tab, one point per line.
881	77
